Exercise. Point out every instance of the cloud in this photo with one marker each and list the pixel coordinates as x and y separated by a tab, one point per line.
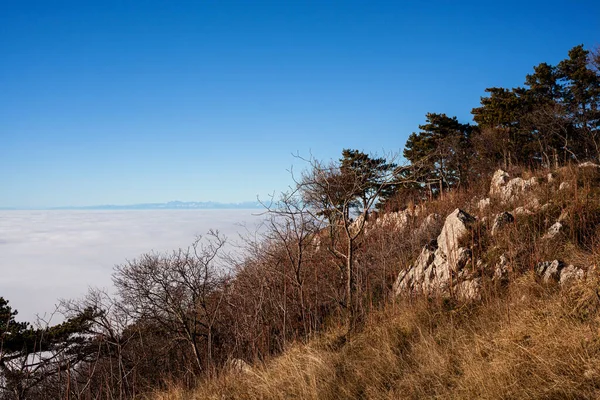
47	255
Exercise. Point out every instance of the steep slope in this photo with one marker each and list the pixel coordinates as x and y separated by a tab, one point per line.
527	327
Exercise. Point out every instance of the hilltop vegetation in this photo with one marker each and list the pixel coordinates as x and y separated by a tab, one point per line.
316	304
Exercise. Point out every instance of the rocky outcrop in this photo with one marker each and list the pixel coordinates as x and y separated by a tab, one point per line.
441	262
483	204
554	231
501	270
506	189
501	221
557	271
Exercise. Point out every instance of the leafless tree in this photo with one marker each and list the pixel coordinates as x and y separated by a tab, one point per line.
342	198
181	292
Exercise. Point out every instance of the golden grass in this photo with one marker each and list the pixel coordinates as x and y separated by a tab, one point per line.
533	342
525	341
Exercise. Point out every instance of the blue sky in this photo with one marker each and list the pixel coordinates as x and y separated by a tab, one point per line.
128	102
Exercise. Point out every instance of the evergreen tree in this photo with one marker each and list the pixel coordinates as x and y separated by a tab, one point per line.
443	147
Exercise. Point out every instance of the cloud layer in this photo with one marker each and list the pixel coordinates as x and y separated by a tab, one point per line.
47	255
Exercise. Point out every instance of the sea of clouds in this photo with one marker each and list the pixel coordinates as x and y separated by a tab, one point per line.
47	255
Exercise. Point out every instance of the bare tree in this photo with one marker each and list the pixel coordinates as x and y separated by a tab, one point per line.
290	236
180	292
342	195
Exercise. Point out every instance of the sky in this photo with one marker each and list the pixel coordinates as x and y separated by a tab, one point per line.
121	102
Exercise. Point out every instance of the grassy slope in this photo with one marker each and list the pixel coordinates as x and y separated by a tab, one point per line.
527	340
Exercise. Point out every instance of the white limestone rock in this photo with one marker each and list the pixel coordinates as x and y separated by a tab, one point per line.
569	274
507	189
502	219
549	270
440	261
564	186
554	231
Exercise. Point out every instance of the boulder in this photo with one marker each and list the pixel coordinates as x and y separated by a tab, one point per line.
502	219
549	270
522	211
501	270
564	186
469	289
555	230
456	226
507	189
440	262
557	271
483	204
569	274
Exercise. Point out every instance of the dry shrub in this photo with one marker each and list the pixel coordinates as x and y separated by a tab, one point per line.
527	341
534	342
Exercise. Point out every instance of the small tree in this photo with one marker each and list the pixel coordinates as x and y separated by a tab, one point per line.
291	230
180	292
342	194
30	355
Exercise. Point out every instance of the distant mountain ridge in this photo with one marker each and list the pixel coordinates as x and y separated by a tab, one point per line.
171	205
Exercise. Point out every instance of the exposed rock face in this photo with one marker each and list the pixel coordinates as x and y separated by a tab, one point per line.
441	262
501	221
507	189
456	226
555	230
557	271
429	223
569	274
501	270
549	270
483	204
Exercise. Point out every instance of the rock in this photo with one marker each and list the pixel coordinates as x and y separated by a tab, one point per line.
549	270
570	273
533	203
483	204
499	179
521	211
501	270
440	261
457	224
502	219
396	221
557	271
507	189
553	231
463	258
564	186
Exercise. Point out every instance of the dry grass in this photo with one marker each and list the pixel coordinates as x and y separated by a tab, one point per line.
534	342
526	341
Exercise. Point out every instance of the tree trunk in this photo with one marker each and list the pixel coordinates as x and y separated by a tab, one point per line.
349	286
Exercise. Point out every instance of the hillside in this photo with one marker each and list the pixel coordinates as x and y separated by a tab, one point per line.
466	269
527	328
